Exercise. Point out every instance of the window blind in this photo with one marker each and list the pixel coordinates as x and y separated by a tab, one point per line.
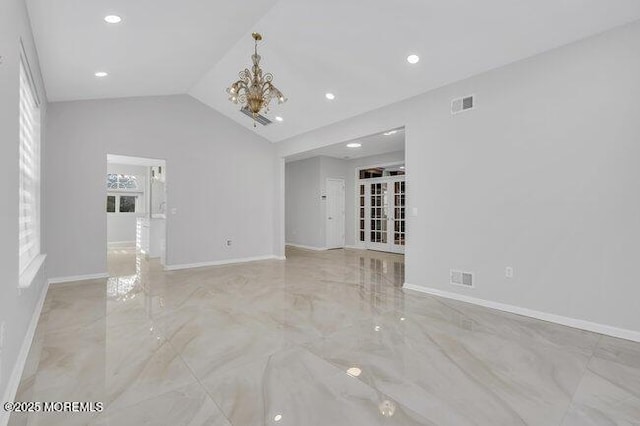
29	191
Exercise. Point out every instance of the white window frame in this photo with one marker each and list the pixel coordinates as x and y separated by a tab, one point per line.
139	201
30	258
139	193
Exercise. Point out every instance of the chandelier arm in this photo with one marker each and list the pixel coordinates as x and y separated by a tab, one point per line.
254	89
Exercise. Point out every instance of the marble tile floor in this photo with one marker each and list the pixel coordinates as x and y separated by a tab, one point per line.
323	338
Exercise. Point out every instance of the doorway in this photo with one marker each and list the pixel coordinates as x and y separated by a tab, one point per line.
136	213
335	213
382	208
327	204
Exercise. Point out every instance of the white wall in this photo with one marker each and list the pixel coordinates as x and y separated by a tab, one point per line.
303	214
16	308
220	178
542	176
306	184
121	227
157	198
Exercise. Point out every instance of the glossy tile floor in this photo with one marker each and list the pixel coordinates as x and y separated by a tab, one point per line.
326	338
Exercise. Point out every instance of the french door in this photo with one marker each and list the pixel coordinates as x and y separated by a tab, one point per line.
382	213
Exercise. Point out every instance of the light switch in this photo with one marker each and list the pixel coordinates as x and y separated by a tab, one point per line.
174	210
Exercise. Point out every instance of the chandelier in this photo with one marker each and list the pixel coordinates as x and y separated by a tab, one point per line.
254	90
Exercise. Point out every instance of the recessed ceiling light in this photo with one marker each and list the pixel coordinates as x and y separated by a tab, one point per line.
330	96
413	59
354	371
390	132
377	328
277	417
279	118
112	19
101	74
354	145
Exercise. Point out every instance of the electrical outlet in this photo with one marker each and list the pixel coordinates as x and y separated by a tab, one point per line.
228	243
508	272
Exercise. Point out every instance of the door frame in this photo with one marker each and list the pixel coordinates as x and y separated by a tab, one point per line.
147	162
356	218
326	215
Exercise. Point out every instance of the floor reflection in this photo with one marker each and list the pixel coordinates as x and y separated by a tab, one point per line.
321	338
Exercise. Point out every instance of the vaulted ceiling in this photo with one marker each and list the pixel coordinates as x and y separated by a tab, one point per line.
355	49
161	46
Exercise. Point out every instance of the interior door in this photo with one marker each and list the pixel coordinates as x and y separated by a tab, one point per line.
398	220
378	216
335	213
382	214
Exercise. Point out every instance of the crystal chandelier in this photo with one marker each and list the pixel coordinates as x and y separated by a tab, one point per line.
254	90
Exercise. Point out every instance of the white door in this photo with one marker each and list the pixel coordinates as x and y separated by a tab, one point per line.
335	213
381	217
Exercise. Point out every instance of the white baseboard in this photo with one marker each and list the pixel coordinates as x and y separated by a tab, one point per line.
59	280
545	316
122	244
16	374
221	262
306	247
355	247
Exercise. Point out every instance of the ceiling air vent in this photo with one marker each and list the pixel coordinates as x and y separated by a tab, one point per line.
462	104
259	118
461	278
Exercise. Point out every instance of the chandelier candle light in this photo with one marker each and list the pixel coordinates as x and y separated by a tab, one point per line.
254	90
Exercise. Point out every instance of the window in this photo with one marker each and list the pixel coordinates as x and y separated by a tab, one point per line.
125	193
123	203
117	181
128	203
29	187
111	203
378	172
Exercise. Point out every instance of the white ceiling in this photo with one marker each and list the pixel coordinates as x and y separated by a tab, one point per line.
161	46
356	49
371	145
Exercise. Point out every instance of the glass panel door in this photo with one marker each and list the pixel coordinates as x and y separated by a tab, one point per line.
379	215
399	213
362	220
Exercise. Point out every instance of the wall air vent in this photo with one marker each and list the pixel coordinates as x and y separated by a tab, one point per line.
259	118
461	278
463	104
